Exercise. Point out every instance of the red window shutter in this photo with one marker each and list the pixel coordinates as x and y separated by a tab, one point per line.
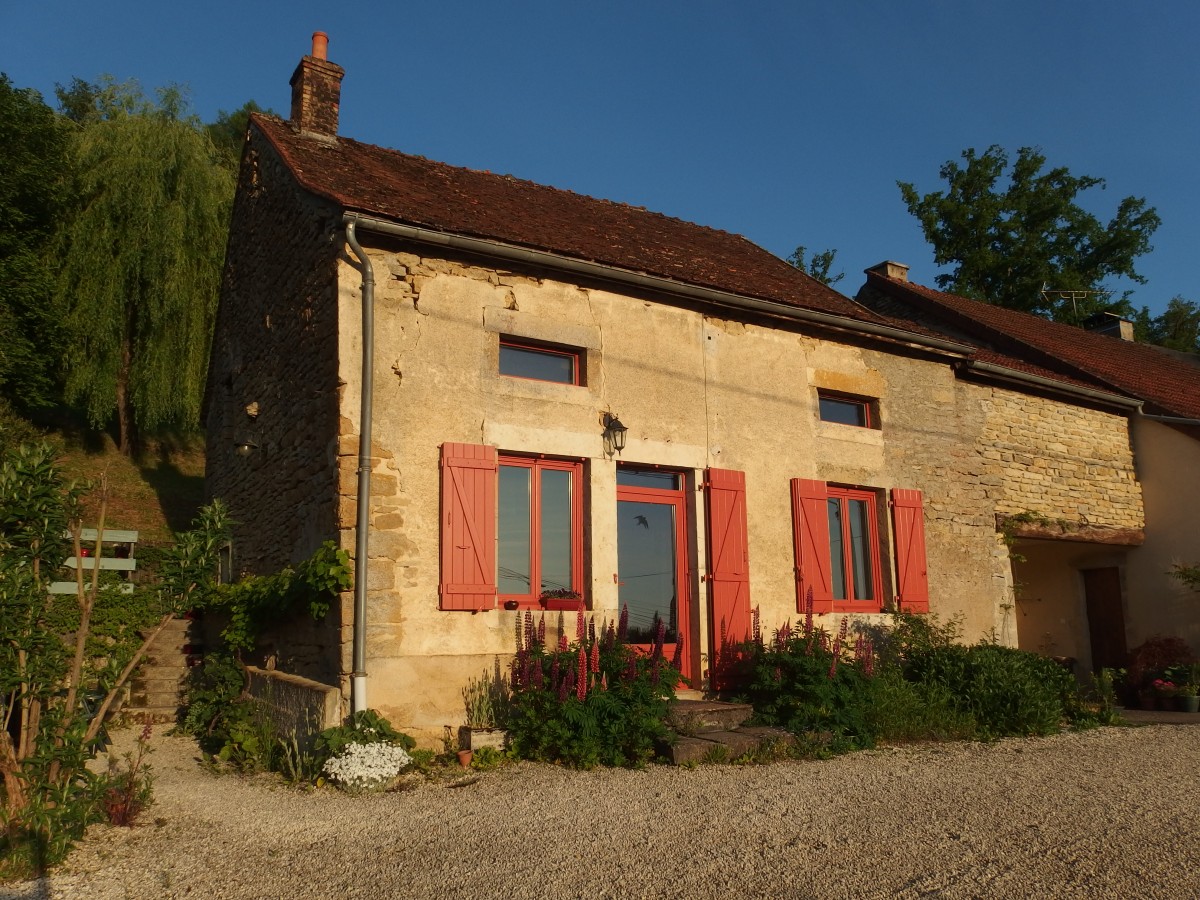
810	533
728	562
468	527
908	519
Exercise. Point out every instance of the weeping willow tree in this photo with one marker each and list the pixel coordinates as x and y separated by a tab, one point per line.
141	258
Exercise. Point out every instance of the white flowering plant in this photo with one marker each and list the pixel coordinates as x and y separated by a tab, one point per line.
367	767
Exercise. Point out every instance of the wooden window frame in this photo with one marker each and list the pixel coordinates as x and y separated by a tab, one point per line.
867	405
537	464
573	353
851	603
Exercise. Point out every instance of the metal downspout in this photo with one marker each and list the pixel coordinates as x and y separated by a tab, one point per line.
358	684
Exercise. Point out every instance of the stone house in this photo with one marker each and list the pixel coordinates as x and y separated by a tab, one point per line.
495	393
1090	582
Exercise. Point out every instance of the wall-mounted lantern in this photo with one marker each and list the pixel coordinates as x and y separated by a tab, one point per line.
614	435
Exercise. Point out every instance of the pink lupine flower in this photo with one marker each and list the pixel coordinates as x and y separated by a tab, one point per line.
594	661
660	634
525	662
538	679
564	689
519	635
591	630
869	659
604	681
579	624
631	668
555	671
610	636
516	671
562	643
581	675
677	656
623	624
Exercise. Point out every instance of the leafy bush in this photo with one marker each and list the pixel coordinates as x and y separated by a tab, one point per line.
901	711
810	685
592	702
125	793
1151	659
363	727
1006	691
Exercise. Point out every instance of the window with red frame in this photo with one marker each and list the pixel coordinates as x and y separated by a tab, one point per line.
539	527
853	548
843	409
540	362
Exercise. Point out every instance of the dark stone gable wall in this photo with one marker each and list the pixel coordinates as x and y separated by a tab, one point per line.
273	380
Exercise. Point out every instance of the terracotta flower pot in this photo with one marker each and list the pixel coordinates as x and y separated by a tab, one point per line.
464	758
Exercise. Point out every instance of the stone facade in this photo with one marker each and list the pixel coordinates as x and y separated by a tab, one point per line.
273	385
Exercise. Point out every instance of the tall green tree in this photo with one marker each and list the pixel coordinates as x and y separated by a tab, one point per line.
818	267
1009	233
33	162
140	258
1177	327
228	131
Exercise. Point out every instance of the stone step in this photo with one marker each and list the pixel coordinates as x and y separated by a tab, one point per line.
725	746
160	680
157	714
691	717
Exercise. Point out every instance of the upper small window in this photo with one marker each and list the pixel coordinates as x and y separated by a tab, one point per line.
845	410
540	363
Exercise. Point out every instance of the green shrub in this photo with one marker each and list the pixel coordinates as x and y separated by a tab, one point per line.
902	711
1007	691
810	685
363	727
595	702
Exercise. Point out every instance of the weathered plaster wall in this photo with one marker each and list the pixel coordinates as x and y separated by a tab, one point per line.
275	355
695	391
1157	603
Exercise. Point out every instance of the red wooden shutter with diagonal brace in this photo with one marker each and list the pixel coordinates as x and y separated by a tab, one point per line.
908	520
810	534
468	527
729	558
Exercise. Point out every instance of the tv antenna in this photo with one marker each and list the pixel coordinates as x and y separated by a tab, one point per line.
1051	296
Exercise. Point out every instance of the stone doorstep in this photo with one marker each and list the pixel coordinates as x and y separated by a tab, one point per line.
724	746
699	716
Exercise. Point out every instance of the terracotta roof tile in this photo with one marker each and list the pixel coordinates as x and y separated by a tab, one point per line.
417	191
1167	382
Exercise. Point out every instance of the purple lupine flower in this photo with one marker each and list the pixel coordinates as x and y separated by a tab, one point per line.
869	658
525	663
537	682
564	689
520	633
594	660
623	624
562	643
541	631
516	672
631	668
555	670
660	635
581	671
591	630
579	624
610	636
756	626
808	613
528	628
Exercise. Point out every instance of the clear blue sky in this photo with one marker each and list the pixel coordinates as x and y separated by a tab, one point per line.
789	123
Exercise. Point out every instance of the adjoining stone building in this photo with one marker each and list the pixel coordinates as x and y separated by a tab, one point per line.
475	344
1091	580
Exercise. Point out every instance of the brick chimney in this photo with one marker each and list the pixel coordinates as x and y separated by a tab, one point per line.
894	270
317	91
1111	324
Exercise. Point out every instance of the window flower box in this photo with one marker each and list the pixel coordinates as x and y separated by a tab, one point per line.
568	601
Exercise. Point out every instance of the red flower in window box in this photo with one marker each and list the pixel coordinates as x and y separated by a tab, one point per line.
562	599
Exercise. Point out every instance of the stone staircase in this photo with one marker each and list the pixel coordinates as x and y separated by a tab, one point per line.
156	689
712	730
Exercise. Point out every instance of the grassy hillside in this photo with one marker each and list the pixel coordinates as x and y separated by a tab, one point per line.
157	494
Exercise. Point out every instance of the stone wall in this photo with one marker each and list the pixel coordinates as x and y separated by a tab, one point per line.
1058	460
273	382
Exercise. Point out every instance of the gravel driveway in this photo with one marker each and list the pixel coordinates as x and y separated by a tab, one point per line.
1106	813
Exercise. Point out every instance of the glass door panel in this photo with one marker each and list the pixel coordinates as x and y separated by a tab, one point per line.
648	575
